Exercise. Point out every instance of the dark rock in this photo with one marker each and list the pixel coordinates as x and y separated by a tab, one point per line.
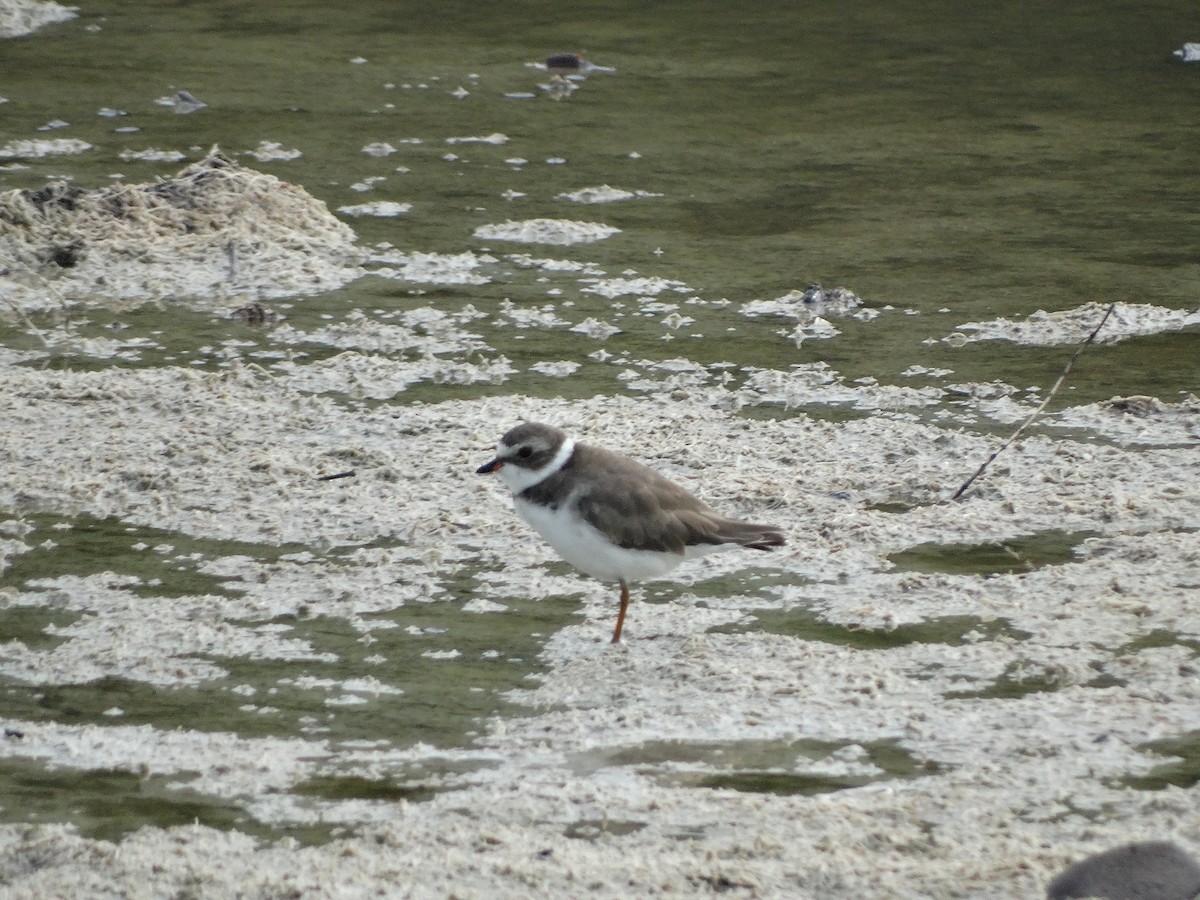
1154	870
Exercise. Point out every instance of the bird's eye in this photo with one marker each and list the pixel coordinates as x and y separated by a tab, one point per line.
525	453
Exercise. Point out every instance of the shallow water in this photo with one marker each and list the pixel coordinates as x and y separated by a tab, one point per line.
947	168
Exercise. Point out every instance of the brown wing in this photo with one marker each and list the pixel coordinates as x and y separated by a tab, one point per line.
641	510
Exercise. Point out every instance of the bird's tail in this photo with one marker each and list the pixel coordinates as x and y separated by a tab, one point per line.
756	537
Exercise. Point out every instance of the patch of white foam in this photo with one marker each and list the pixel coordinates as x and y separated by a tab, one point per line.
125	635
559	369
1137	420
22	17
482	606
355	591
380	208
528	317
223	765
817	383
36	149
434	268
683	374
273	151
918	371
1006	787
611	288
495	138
151	154
441	654
603	194
808	304
378	378
379	149
66	339
1072	326
547	231
597	329
425	331
10	547
817	328
1189	52
526	261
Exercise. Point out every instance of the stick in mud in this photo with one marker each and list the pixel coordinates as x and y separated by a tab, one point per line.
1041	406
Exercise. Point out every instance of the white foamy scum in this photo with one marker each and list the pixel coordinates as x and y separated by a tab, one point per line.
136	637
1189	52
807	305
495	138
21	17
273	151
215	228
877	710
604	194
1071	326
433	268
1020	722
1138	420
36	149
547	231
378	378
381	208
620	287
152	154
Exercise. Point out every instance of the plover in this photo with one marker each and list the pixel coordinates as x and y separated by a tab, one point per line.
609	516
561	65
564	65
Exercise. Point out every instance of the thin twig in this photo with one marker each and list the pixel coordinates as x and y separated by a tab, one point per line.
24	317
33	329
1041	406
349	474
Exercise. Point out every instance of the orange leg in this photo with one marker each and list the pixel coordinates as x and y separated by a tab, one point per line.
616	639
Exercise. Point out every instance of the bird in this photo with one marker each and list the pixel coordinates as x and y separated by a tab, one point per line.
561	65
608	515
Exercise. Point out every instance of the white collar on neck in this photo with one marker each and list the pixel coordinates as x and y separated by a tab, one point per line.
519	478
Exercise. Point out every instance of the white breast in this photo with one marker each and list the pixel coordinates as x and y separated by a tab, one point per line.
589	550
